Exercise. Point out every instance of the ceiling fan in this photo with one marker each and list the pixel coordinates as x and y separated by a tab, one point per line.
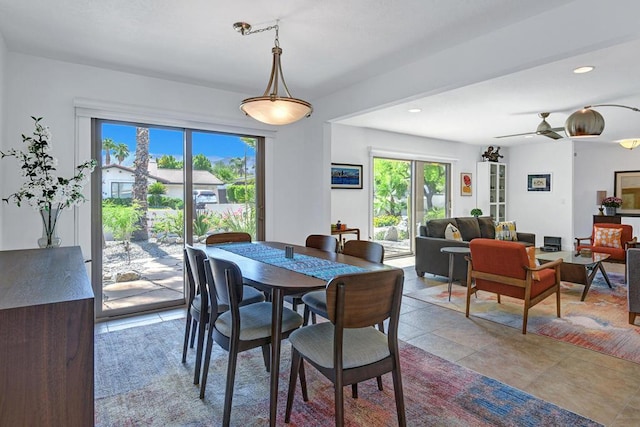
543	129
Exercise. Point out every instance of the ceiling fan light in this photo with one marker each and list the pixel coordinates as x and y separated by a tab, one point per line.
276	111
629	143
585	123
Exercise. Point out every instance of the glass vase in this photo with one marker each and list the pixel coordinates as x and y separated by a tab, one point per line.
50	237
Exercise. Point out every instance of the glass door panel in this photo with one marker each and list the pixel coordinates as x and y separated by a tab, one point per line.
142	215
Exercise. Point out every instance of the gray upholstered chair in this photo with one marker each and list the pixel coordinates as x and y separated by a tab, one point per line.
633	283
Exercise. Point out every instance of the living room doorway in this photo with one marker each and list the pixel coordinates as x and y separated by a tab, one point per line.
407	193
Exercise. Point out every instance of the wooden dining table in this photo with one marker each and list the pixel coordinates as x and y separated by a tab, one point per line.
278	282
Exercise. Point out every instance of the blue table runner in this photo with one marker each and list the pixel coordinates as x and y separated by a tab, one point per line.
311	266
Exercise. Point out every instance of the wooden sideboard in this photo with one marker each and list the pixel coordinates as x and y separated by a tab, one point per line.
607	219
46	338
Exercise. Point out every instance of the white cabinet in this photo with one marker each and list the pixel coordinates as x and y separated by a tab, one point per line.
491	189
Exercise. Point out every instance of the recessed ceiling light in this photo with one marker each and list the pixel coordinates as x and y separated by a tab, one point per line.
414	110
584	69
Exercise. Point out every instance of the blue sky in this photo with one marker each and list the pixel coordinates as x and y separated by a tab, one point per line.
168	141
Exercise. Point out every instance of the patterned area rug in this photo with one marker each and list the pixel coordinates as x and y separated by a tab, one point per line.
599	323
140	380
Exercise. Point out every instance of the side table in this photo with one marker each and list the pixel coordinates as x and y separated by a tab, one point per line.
342	231
453	251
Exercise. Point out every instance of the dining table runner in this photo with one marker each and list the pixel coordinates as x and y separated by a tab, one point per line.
311	266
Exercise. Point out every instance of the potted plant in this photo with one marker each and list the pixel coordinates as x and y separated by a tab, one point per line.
610	205
476	212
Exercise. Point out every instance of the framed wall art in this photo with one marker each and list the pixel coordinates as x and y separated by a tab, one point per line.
344	175
626	186
539	182
466	184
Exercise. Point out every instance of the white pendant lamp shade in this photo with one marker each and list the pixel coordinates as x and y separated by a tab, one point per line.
584	123
276	111
630	143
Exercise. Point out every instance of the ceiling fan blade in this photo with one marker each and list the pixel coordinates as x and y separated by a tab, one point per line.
517	134
551	134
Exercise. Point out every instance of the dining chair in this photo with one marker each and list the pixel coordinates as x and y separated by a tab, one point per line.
198	308
349	349
315	302
316	241
239	328
227	237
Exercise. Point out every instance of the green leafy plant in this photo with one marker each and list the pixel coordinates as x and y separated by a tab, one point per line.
201	224
120	220
155	191
385	220
476	212
172	223
240	220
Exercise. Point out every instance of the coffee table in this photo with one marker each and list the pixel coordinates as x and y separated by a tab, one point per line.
577	268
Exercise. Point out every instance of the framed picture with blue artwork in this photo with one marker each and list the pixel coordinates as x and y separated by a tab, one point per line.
344	175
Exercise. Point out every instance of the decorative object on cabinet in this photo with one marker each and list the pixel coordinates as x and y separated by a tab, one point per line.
466	183
611	204
491	189
345	175
476	212
600	195
43	189
492	154
627	188
539	182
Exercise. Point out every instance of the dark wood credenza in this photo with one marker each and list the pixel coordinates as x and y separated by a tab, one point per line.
608	219
46	338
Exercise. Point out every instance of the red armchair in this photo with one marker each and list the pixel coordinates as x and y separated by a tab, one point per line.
617	254
504	268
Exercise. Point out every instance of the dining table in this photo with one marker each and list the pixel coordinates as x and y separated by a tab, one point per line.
265	266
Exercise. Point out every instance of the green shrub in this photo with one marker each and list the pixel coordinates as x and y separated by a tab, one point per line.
120	220
172	223
241	193
240	220
385	220
118	202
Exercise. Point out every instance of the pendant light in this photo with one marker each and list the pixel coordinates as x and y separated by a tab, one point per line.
629	143
588	123
272	107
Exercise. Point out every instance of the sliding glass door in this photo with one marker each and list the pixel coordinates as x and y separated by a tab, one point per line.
162	187
406	193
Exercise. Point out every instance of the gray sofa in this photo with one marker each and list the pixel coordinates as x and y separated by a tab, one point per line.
431	239
633	283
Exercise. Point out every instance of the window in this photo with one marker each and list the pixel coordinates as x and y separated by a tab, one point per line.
121	190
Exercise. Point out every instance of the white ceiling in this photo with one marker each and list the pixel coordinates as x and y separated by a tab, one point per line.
331	44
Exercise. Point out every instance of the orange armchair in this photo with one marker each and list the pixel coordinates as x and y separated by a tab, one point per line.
504	268
616	254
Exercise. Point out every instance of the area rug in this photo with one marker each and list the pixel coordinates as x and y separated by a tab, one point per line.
599	323
140	381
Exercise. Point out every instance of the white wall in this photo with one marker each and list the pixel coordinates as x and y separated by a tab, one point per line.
542	213
353	145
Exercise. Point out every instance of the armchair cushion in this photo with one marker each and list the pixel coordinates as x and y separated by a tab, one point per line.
607	237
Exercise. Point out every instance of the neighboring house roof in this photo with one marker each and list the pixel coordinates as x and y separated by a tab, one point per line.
174	176
132	172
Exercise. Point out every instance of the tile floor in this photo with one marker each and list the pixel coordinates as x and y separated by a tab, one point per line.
603	388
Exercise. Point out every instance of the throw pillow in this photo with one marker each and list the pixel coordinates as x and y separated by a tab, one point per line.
607	237
452	233
533	262
506	230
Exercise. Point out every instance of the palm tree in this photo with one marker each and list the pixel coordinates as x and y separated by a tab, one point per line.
121	151
141	165
108	144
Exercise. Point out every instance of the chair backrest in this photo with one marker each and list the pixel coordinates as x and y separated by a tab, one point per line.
501	257
365	299
196	275
365	249
625	236
228	237
322	242
227	282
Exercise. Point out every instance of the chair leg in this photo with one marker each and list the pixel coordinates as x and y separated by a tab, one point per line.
266	356
231	376
339	400
305	316
187	332
399	395
199	349
293	376
194	328
205	368
525	317
354	390
303	382
632	318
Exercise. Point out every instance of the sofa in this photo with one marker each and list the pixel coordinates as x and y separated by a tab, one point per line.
431	239
633	283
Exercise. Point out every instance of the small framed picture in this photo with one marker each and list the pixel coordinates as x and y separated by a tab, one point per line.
466	184
344	175
539	182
